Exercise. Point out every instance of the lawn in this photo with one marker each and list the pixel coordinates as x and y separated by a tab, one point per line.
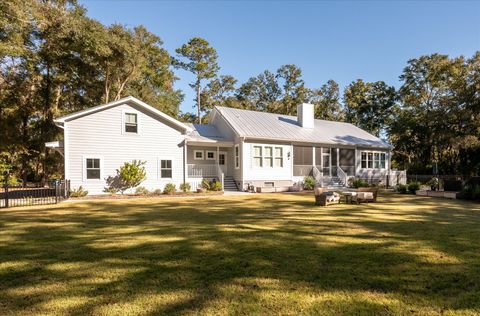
261	254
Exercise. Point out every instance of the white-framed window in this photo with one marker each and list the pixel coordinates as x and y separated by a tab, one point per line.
210	155
268	158
364	160
237	156
373	160
382	160
279	157
257	156
198	155
166	168
92	167
130	122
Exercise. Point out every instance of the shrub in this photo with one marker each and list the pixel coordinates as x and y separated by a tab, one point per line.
130	175
402	188
169	188
216	185
110	190
157	192
308	183
141	191
413	186
205	184
359	183
434	183
185	187
79	192
470	192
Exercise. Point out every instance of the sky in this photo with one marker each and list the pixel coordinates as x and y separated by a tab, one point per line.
339	40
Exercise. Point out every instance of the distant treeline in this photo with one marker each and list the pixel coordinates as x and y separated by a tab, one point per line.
55	60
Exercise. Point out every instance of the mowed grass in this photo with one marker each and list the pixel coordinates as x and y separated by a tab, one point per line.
270	254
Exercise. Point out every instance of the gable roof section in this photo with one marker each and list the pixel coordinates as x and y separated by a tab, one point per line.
128	99
270	126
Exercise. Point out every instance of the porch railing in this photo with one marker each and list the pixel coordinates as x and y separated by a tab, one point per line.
202	171
302	170
220	175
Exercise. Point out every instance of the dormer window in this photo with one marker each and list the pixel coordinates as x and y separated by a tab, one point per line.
131	123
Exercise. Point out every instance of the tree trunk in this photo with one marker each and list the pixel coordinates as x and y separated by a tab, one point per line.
198	102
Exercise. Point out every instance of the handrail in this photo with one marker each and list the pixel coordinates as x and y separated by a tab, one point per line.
220	174
342	176
317	175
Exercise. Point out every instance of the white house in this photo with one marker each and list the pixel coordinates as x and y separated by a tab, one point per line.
238	147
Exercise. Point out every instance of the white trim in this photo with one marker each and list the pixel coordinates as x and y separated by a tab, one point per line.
195	155
119	102
373	152
139	125
214	155
236	156
65	151
84	167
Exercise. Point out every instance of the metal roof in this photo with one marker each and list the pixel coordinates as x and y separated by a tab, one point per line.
263	125
206	132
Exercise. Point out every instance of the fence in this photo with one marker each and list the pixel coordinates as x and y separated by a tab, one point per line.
11	196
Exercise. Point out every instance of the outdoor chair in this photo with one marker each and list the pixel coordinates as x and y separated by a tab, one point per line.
365	195
324	197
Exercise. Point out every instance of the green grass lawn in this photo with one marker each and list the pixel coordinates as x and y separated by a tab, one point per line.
261	254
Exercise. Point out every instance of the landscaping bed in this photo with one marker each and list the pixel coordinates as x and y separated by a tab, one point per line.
140	196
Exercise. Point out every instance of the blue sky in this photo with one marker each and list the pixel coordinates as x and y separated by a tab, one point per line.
341	40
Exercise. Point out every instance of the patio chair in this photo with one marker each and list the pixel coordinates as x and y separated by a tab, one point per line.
365	195
324	197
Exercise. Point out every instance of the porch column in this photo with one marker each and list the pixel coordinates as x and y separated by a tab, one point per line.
338	159
185	166
313	153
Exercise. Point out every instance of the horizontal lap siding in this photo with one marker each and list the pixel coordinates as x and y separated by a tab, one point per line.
267	173
100	134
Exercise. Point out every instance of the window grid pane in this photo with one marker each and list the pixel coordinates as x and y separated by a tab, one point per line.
166	168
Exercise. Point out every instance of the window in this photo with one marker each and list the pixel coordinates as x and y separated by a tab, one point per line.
165	168
268	157
237	157
373	160
382	160
269	184
364	160
92	168
210	155
370	160
131	123
376	161
279	157
198	154
257	156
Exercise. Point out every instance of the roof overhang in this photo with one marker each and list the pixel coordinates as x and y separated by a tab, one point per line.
208	143
60	121
304	142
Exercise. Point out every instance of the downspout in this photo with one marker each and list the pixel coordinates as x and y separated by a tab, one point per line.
185	161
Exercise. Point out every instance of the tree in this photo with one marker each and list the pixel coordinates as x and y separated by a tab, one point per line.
220	92
370	105
198	57
440	114
327	102
54	60
260	93
294	90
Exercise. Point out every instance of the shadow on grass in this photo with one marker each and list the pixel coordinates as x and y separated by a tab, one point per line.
261	254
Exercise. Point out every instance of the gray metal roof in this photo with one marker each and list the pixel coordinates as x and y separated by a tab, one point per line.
262	125
206	132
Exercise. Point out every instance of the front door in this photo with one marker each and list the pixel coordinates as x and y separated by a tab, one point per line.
222	161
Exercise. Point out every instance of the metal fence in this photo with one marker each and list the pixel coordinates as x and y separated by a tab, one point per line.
11	196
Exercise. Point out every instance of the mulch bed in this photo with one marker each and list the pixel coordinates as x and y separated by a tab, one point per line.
138	196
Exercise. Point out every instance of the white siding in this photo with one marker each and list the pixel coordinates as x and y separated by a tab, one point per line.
252	173
100	134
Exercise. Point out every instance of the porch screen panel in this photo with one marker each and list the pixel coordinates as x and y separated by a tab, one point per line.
318	156
347	161
302	155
